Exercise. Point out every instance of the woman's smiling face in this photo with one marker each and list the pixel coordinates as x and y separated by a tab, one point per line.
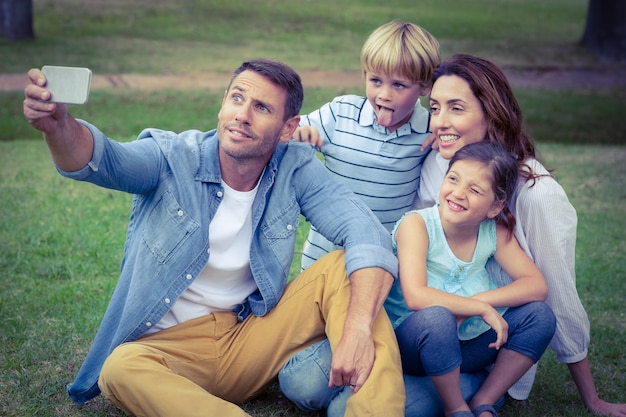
457	116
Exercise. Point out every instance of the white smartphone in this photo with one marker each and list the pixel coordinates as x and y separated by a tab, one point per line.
69	85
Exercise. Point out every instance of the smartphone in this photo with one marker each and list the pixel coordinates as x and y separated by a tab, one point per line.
69	85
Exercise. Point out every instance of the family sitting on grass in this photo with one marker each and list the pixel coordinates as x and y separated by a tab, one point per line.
433	280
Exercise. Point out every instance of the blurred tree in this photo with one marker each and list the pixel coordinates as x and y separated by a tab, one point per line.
16	19
605	30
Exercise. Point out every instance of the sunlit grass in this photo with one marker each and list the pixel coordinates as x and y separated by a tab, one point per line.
61	244
186	36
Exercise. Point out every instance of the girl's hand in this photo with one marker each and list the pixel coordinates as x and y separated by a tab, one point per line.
499	325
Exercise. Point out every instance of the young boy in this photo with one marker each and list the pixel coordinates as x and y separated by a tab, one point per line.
372	143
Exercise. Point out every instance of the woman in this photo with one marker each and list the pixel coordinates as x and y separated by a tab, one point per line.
471	100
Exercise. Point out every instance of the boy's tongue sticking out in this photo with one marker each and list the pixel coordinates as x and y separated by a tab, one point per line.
384	116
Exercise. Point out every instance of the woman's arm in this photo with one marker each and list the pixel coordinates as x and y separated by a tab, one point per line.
528	282
549	222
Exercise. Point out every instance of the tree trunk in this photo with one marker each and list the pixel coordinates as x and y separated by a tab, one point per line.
16	19
605	30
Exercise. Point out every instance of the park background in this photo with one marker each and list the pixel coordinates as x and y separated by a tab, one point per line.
61	241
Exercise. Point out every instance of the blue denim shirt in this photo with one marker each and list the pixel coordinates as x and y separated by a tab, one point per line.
176	182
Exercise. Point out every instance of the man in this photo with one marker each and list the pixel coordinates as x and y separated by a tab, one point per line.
201	317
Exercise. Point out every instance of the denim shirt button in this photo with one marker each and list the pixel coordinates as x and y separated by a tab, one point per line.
220	194
148	324
289	227
180	213
167	301
188	276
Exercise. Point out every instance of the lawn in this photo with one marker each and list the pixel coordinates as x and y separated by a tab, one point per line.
165	37
61	241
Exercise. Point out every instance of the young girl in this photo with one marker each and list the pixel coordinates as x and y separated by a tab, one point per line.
445	312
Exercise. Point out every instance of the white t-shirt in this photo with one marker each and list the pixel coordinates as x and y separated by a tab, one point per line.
226	280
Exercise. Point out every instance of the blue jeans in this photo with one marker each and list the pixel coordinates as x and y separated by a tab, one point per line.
429	343
304	378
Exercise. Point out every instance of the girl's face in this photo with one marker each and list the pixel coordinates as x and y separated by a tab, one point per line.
457	117
467	197
393	98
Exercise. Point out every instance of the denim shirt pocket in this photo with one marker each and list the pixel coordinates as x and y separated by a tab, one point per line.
280	232
167	227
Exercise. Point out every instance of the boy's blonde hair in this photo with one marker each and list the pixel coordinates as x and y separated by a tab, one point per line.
403	48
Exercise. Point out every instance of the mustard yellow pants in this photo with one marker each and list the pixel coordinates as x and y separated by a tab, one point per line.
205	366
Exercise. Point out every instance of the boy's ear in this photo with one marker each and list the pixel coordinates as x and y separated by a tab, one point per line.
425	90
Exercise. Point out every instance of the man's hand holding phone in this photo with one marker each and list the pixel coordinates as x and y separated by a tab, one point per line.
45	107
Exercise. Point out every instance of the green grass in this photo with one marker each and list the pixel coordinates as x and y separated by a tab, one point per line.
161	36
61	241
